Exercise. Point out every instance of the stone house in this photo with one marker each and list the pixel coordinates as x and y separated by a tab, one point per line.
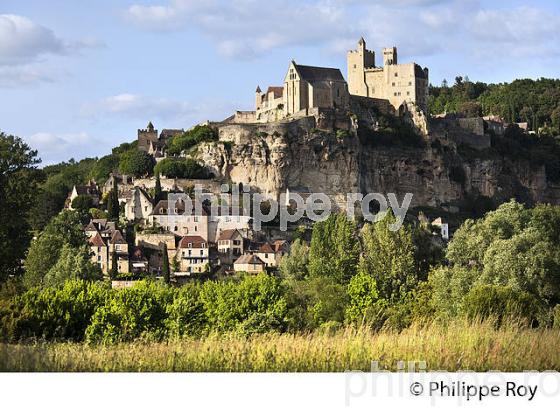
230	245
193	254
138	206
176	219
249	263
102	251
91	189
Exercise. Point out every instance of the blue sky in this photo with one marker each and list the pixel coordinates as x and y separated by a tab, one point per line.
77	78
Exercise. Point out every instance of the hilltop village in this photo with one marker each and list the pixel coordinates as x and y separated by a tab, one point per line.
249	148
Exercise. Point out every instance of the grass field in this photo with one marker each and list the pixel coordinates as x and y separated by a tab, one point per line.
478	347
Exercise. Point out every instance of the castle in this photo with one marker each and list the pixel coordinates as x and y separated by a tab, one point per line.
398	83
306	87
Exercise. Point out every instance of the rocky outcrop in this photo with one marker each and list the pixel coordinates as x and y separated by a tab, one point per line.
296	155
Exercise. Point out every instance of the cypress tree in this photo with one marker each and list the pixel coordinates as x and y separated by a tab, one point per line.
113	207
157	193
166	271
114	266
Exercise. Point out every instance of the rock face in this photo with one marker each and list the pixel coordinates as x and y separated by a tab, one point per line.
297	156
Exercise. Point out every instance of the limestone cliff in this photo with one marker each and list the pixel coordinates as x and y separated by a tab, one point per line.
304	154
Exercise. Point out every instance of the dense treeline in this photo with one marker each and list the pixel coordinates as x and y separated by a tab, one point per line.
536	102
505	266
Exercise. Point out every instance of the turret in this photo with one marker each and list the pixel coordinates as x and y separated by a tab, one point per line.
258	98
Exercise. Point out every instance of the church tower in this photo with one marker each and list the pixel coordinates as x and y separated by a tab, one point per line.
258	98
358	61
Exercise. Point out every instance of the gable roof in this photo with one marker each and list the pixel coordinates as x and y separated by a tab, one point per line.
279	245
96	240
90	227
117	238
251	259
195	241
266	248
311	73
228	234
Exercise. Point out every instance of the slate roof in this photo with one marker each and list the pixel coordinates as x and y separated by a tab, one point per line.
312	74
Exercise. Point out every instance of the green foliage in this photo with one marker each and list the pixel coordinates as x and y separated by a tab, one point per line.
389	258
44	252
113	206
190	138
131	313
315	302
72	263
52	313
364	299
254	305
136	163
82	203
294	265
180	168
334	249
531	101
500	303
185	315
510	247
19	178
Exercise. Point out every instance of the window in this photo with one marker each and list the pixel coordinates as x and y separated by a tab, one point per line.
393	84
196	228
117	247
175	228
196	218
354	65
189	245
190	251
395	94
396	74
201	252
410	83
408	93
146	208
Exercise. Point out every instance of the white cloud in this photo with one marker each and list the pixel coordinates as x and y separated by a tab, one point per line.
246	28
144	108
25	45
23	41
54	147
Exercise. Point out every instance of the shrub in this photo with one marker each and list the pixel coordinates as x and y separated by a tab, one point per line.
52	313
500	302
180	168
130	314
255	304
190	138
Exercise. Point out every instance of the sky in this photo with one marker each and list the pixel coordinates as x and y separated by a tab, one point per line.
78	78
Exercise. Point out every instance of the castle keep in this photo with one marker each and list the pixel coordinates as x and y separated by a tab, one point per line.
397	83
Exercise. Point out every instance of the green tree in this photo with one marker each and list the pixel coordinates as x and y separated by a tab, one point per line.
44	252
165	270
334	249
82	203
180	168
157	191
19	179
294	265
72	263
364	299
136	163
114	271
388	257
113	206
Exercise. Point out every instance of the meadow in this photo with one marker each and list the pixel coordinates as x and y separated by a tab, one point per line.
457	346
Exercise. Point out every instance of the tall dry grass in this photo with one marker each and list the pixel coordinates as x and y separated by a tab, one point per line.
457	346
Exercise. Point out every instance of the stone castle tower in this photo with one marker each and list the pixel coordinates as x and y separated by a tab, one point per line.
398	83
147	136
